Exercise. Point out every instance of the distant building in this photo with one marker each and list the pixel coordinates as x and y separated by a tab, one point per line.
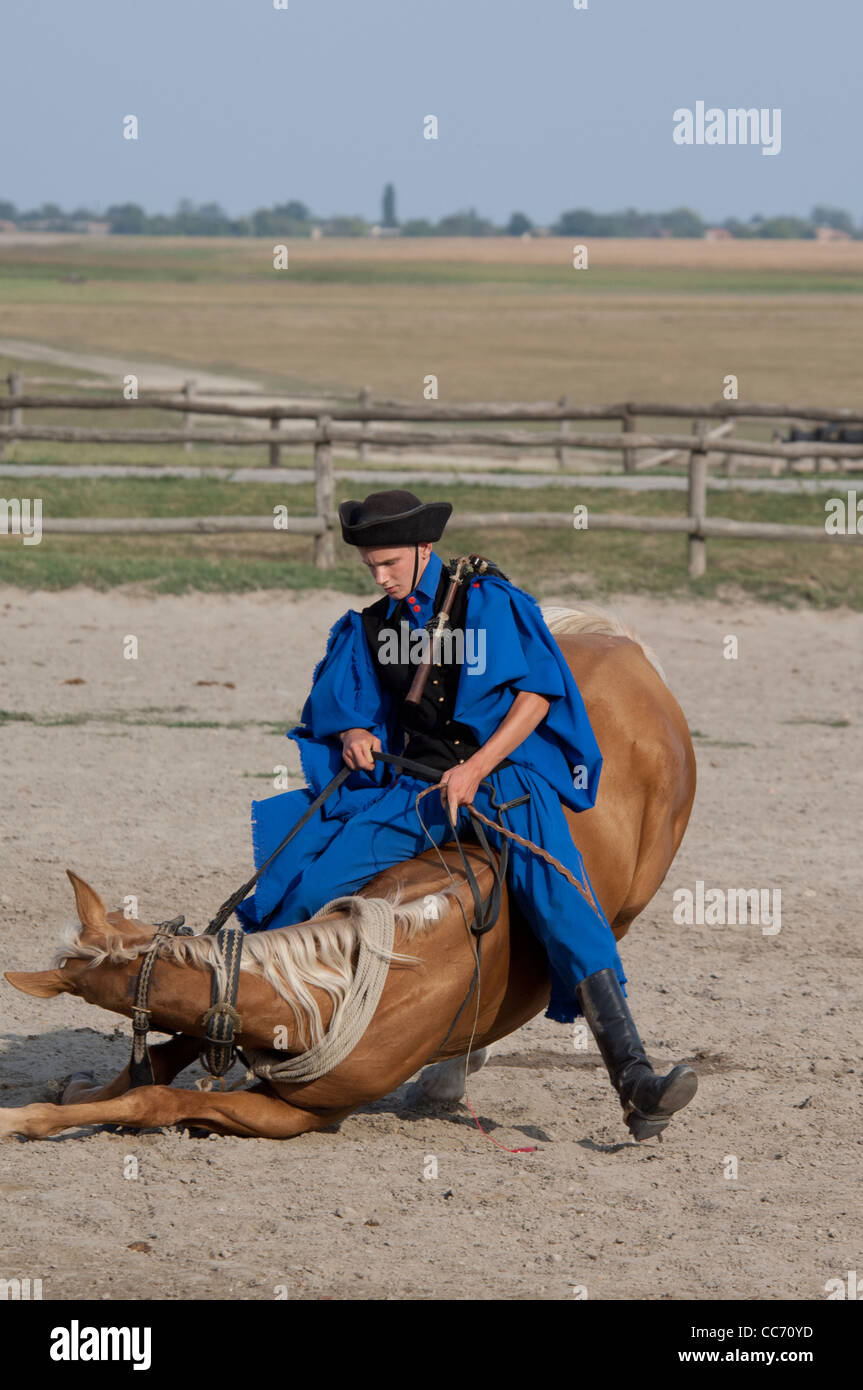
717	234
8	226
378	231
831	234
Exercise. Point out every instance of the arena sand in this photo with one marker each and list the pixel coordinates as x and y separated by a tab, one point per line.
159	808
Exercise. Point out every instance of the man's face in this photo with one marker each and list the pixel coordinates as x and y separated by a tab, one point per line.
392	566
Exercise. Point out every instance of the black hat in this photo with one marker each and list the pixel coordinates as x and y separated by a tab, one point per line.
393	518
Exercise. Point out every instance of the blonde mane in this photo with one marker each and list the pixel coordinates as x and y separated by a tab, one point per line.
294	960
569	622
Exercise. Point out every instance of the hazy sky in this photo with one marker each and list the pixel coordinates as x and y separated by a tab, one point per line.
541	107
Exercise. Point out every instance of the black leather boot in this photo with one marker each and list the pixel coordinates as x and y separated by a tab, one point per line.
648	1100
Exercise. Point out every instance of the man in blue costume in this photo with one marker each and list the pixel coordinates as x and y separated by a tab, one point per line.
510	699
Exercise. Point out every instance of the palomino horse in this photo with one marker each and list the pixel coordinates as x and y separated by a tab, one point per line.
294	977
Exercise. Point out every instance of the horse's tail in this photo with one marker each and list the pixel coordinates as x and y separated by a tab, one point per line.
569	622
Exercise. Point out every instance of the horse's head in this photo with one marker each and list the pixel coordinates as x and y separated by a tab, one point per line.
97	928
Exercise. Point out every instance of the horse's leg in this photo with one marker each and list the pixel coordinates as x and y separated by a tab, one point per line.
255	1113
168	1059
445	1081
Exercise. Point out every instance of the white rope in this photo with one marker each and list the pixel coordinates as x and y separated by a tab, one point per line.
375	922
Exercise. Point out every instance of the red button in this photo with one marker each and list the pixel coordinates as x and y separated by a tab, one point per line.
475	585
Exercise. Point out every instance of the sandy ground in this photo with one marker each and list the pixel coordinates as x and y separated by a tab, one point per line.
773	1021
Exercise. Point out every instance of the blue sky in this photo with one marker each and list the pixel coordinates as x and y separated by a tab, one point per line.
541	107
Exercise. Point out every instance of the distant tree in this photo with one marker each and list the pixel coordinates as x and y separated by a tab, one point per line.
346	226
419	226
683	222
578	222
126	219
8	211
465	224
582	222
262	222
738	228
294	211
389	207
786	228
211	220
518	224
823	216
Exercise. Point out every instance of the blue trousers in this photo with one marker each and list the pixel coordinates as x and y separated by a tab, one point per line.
332	855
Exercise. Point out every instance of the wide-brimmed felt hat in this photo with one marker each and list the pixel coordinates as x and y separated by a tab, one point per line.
393	518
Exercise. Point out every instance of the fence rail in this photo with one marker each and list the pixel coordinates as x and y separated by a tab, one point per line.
353	424
327	434
419	411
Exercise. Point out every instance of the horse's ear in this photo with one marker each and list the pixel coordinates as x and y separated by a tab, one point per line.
91	909
43	983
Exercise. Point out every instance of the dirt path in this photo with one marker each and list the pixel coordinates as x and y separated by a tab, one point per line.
152	376
143	786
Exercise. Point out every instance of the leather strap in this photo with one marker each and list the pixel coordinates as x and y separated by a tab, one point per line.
140	1065
222	1021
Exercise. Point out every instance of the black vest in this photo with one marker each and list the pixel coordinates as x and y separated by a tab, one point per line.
433	736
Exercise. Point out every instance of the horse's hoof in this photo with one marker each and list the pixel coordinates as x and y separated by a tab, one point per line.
54	1090
75	1078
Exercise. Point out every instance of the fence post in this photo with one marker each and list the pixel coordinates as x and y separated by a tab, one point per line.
730	459
365	402
628	454
275	422
324	550
697	503
13	415
188	418
16	414
565	426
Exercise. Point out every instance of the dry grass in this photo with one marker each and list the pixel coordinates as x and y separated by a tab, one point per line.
653	253
496	319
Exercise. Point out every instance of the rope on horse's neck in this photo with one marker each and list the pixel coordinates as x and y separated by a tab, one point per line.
374	922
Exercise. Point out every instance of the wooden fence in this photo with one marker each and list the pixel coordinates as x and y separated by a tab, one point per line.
353	425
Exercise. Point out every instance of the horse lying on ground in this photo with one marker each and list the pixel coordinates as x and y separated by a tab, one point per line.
294	978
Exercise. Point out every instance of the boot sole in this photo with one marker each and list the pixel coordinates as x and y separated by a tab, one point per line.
679	1092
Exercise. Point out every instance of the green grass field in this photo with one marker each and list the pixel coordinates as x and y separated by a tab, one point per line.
574	563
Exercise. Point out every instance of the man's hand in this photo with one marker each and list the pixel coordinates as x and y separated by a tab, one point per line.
357	748
459	786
